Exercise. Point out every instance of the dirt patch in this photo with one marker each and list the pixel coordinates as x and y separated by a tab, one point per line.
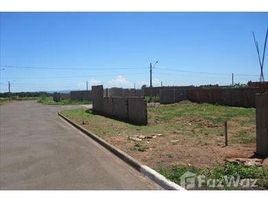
163	151
186	134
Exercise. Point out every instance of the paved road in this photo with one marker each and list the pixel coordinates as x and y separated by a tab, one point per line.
38	150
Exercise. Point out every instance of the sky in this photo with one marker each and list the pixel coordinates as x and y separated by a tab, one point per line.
62	51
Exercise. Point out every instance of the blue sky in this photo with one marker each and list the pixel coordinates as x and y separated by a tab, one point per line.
61	51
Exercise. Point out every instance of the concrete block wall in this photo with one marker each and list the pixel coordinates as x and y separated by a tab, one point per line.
81	95
129	92
105	92
260	85
139	93
97	97
108	106
155	91
59	96
243	97
120	108
115	92
120	92
173	95
262	124
130	109
137	111
200	95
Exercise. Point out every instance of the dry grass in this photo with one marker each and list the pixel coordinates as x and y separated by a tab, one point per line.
192	134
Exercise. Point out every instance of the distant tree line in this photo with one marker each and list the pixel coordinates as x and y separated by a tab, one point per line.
24	94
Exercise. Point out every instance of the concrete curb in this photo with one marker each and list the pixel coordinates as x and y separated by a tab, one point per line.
145	170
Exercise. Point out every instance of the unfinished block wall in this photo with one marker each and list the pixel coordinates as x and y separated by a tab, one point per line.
81	95
137	111
262	124
59	96
97	97
130	109
172	95
120	92
243	97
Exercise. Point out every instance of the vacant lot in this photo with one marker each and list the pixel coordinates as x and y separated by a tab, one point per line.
179	136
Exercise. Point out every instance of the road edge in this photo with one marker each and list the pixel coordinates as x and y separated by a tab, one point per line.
143	169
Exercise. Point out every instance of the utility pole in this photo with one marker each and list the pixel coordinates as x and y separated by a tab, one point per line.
232	79
151	70
161	84
151	79
134	85
151	66
87	85
261	60
8	86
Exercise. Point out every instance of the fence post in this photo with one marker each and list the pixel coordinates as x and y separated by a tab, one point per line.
226	133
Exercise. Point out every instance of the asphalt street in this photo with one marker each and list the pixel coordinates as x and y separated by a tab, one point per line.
38	150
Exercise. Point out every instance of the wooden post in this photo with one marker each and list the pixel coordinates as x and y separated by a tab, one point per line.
226	133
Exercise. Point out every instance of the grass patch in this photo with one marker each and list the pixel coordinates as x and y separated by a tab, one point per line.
228	170
4	100
139	147
189	133
245	137
214	113
49	101
190	119
150	99
15	98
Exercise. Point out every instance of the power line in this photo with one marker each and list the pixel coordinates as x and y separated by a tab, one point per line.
207	73
162	68
71	68
72	77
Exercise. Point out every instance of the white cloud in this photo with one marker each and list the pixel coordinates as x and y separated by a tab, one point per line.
119	81
94	82
156	82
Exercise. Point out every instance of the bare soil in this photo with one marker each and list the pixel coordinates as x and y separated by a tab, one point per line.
190	139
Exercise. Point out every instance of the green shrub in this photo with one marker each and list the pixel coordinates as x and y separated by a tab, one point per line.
150	99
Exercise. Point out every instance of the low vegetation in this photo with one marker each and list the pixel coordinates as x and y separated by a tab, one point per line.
186	118
222	173
181	137
48	100
15	98
151	99
43	98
